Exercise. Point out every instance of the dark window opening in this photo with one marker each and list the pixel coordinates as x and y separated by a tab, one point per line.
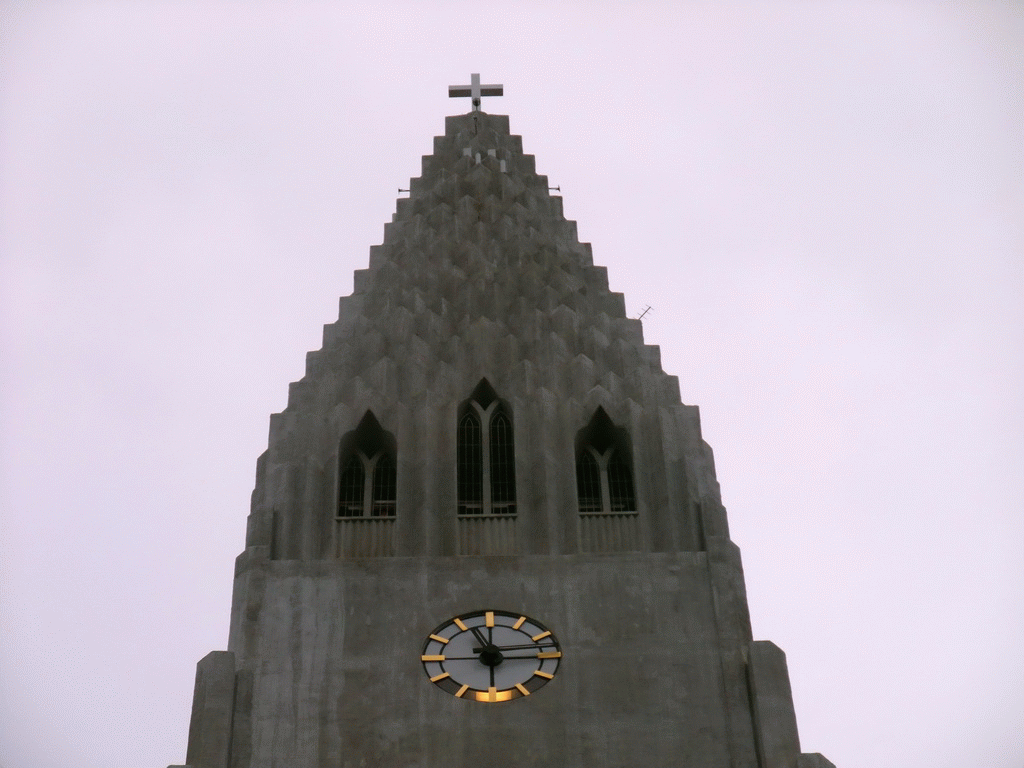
620	484
588	483
352	489
385	487
470	465
604	475
368	477
503	467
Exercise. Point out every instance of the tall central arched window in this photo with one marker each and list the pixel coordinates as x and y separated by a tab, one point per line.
485	456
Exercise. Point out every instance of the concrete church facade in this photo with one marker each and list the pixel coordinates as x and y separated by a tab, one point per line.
486	530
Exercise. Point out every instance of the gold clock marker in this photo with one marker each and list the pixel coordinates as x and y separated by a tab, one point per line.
522	689
550	655
439	639
541	636
461	692
545	675
428	657
489	616
442	676
519	623
492	694
460	625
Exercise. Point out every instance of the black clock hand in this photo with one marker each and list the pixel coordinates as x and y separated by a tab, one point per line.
518	647
479	636
518	657
477	658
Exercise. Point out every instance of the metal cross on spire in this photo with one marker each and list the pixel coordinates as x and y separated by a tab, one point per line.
474	90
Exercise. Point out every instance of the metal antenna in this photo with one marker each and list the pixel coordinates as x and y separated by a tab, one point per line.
646	310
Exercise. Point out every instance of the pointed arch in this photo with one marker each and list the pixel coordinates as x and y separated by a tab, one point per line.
604	472
368	476
485	455
484	394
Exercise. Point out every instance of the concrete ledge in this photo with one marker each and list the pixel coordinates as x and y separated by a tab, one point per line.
213	704
251	557
813	760
771	700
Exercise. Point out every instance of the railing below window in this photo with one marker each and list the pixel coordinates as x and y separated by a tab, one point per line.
610	532
382	509
365	536
487	534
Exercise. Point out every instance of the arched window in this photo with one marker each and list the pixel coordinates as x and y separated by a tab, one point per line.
485	456
503	465
620	483
470	455
367	480
588	482
604	478
352	489
385	487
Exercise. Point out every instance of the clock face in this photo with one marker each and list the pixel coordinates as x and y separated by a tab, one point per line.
491	656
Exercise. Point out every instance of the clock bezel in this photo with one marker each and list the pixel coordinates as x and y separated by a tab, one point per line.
444	673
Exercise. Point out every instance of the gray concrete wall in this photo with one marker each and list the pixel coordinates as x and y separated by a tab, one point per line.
334	648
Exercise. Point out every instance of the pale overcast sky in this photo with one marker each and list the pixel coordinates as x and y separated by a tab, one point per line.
821	202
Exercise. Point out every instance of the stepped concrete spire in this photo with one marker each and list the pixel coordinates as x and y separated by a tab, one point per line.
480	276
485	437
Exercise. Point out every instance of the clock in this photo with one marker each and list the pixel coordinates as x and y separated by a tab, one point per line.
491	656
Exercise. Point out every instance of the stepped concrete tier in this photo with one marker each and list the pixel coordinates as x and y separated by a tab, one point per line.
482	301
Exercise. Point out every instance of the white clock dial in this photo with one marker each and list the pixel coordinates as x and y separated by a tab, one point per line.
491	656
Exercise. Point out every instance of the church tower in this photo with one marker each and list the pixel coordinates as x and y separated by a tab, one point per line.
486	531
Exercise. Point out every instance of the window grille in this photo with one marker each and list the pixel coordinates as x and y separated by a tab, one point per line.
352	489
503	469
470	465
385	486
485	456
604	476
620	484
368	480
588	483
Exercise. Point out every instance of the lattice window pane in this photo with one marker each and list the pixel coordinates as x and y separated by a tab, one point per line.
351	489
588	483
503	465
385	487
470	460
620	484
